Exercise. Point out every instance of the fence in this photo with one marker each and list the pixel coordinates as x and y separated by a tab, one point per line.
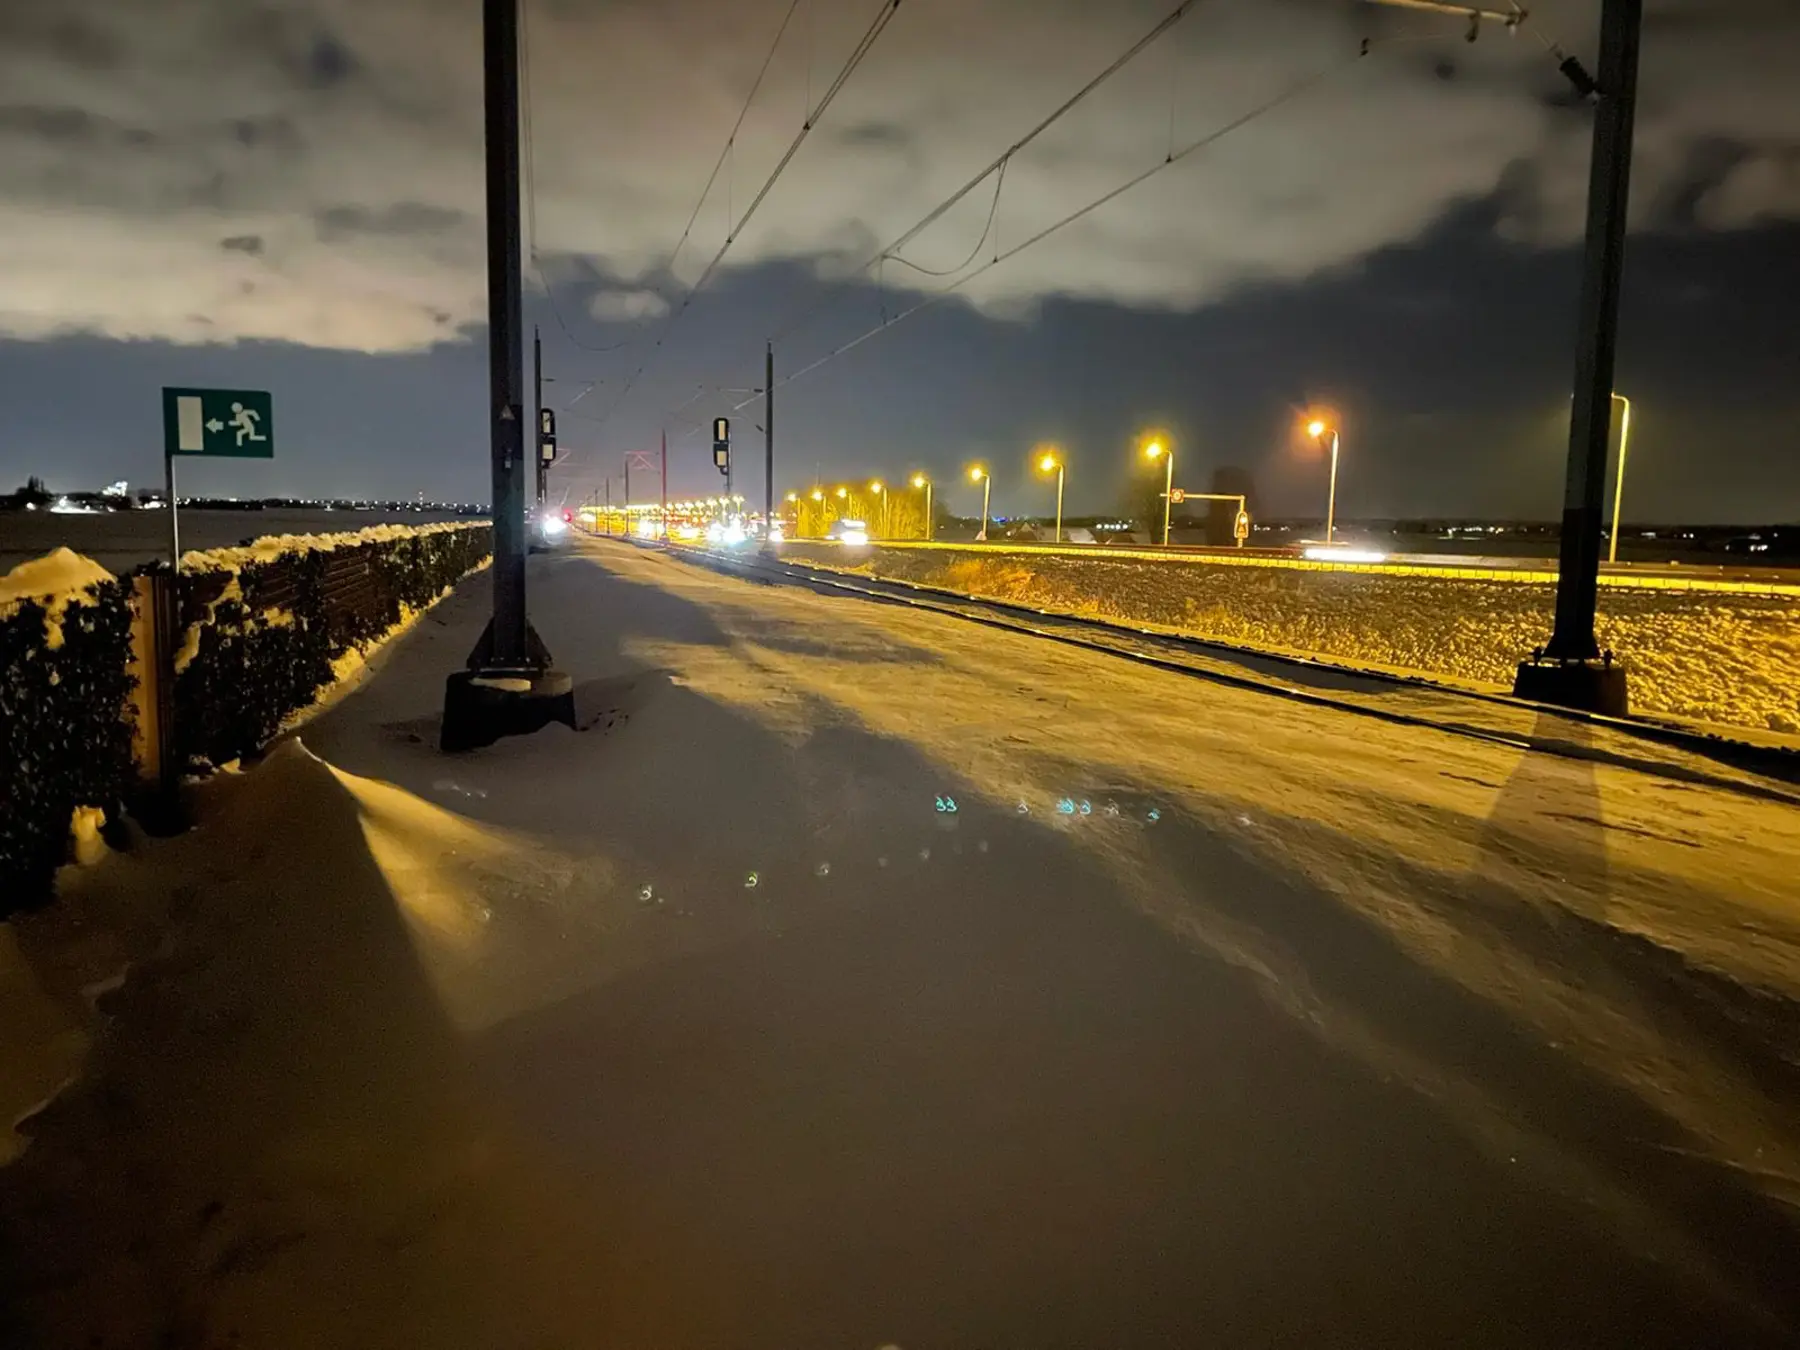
98	692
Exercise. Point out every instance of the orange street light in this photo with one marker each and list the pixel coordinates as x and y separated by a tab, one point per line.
880	491
1317	429
1156	449
978	474
919	480
1046	462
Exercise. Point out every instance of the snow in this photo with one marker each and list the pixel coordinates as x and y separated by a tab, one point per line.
234	560
273	546
191	635
45	1044
86	845
759	1012
56	580
1726	658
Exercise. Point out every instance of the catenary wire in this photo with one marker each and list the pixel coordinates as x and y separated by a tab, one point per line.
1068	105
882	17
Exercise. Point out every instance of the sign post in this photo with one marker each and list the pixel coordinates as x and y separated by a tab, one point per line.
212	424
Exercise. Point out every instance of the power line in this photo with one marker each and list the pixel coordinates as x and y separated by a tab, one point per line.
1193	147
731	139
530	166
880	22
986	230
1125	58
668	263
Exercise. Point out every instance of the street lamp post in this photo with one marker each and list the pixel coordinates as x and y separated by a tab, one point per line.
1047	463
1316	430
878	490
978	474
1612	552
921	481
1157	450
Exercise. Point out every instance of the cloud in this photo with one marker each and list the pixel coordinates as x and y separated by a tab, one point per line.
621	306
345	137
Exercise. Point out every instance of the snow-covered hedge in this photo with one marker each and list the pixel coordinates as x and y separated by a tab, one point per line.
65	737
263	629
263	624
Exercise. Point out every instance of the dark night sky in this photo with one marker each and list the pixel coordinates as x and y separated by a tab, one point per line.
1398	244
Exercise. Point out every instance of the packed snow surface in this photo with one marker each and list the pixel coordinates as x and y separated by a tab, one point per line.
858	977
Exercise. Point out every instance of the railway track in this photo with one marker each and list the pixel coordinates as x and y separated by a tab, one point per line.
1635	743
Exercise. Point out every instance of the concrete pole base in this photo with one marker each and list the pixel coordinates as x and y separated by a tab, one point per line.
1587	686
481	706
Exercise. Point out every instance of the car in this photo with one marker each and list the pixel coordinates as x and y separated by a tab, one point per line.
549	528
852	532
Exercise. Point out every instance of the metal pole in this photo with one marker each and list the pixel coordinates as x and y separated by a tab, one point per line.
174	521
1331	501
1609	184
609	506
769	444
1059	489
504	644
928	519
1168	493
1612	553
663	526
537	367
628	492
987	491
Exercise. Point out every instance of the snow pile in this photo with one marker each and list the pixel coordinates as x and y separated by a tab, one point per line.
55	581
271	547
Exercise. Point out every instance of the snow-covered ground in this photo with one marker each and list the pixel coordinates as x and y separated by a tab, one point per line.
1716	657
856	977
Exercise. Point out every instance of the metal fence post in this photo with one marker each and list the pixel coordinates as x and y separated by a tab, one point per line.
155	633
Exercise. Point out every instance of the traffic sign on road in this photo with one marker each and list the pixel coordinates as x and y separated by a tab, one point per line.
219	423
1240	528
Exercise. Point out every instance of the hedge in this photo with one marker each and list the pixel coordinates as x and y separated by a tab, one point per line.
65	733
261	635
261	628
